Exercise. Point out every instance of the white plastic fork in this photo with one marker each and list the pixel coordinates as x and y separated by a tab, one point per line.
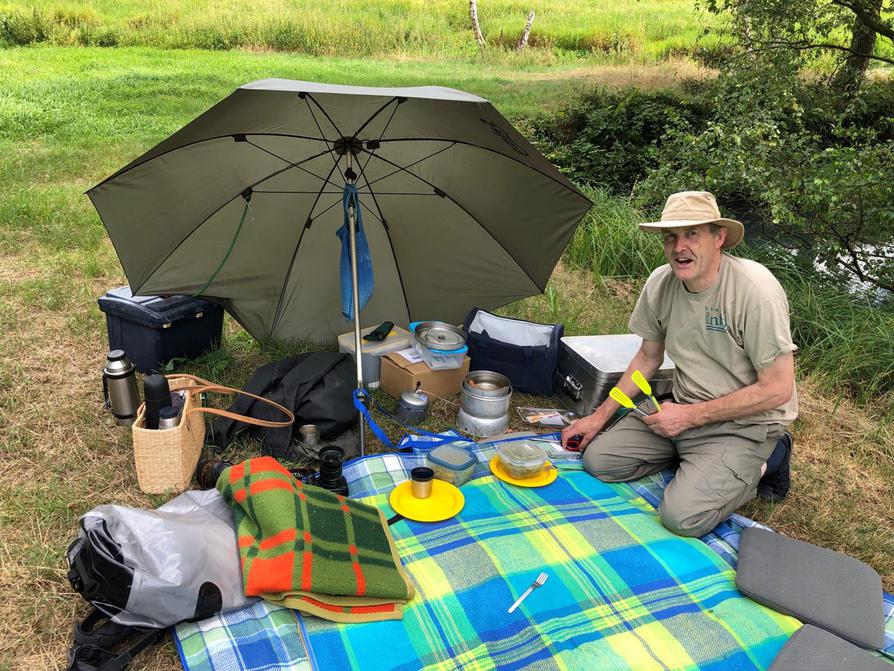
537	583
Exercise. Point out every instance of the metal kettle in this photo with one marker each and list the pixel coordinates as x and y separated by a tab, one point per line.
119	387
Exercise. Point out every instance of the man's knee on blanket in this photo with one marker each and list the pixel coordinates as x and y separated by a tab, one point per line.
686	521
609	468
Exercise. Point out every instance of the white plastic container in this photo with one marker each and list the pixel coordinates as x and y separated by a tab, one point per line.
440	360
521	458
398	339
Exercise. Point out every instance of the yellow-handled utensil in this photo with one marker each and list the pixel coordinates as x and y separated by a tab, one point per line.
640	381
620	397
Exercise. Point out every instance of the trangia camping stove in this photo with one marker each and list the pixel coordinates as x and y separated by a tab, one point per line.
485	404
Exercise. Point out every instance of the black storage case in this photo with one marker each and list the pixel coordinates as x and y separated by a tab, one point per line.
531	368
152	330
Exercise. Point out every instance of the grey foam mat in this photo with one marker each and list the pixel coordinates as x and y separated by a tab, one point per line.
815	649
816	585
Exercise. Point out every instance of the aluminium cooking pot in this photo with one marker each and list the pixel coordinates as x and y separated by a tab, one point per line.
487	383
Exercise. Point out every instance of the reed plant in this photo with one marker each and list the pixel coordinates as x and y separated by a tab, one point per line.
609	243
844	335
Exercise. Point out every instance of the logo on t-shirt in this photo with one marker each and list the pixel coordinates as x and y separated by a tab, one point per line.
714	320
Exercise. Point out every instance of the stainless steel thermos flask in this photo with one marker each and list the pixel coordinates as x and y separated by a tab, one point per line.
119	386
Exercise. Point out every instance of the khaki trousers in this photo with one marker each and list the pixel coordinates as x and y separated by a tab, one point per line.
718	467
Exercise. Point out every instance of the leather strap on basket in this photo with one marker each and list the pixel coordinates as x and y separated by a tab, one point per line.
203	385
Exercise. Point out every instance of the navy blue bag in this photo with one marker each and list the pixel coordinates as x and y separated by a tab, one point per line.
525	352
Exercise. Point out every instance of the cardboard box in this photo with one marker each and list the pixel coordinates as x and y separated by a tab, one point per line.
398	375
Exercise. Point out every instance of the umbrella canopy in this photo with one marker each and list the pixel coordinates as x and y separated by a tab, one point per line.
242	205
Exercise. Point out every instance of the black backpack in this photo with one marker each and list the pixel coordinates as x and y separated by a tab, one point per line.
317	387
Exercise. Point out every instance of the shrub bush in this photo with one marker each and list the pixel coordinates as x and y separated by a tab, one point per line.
816	171
20	29
609	139
813	169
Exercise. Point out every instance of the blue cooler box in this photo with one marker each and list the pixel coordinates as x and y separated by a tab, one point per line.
152	330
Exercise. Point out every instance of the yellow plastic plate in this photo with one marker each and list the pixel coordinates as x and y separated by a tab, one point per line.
544	477
445	502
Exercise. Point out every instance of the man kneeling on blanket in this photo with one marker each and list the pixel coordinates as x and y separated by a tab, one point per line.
724	322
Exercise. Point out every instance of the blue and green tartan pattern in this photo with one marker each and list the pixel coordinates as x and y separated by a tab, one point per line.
623	593
260	637
235	640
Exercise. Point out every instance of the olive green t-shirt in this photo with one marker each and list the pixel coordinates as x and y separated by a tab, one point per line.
719	338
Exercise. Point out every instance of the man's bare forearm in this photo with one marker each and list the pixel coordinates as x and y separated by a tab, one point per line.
772	389
647	360
744	402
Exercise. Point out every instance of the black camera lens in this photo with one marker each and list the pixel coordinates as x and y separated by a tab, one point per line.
331	458
330	476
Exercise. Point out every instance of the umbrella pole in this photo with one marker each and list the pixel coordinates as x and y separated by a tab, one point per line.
358	352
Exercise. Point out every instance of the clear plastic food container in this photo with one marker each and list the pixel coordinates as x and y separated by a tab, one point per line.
521	458
452	464
441	360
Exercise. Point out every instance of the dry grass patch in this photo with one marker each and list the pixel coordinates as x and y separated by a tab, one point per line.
649	77
62	454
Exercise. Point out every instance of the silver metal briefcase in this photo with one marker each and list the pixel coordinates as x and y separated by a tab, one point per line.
589	366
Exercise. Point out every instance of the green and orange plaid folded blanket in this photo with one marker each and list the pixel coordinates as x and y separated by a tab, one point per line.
312	550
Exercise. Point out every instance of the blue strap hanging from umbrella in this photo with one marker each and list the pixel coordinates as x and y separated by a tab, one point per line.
364	261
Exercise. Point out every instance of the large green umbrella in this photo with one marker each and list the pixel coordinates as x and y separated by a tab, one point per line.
242	205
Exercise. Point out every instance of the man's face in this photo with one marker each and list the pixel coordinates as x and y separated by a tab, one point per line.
694	254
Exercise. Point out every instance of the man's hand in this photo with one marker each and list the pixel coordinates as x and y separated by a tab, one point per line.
672	420
587	427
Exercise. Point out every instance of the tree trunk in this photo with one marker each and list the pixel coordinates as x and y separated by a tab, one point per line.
523	40
850	76
473	12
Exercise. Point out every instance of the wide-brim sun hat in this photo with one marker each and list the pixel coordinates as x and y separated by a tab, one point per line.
692	208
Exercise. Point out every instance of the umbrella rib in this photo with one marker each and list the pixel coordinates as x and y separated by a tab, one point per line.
384	129
218	209
281	158
471	216
360	191
409	165
325	113
194	142
573	189
328	193
306	97
375	114
381	218
282	291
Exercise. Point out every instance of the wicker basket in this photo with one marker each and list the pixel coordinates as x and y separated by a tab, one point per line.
166	459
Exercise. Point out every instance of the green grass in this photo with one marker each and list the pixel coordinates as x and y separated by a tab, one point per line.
645	30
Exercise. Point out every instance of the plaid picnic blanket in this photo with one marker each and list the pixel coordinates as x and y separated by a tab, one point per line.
260	637
623	592
311	549
231	641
